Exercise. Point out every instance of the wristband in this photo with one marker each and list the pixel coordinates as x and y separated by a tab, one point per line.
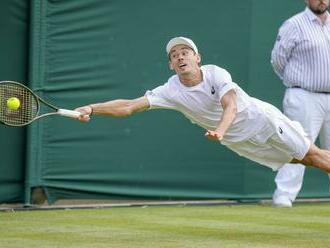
91	106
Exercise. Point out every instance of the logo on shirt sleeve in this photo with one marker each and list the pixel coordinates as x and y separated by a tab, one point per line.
278	38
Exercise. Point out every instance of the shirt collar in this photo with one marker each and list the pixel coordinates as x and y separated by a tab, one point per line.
312	17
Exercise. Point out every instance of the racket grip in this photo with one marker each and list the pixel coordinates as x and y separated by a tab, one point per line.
69	113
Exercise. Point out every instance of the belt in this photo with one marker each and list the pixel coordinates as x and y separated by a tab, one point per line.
320	92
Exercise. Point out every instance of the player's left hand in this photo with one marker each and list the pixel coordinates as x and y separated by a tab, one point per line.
213	135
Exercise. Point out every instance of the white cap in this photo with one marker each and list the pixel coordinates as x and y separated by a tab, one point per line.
181	41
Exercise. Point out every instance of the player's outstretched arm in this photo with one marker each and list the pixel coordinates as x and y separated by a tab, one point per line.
229	105
114	108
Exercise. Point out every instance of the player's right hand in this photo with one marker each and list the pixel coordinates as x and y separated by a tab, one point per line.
85	111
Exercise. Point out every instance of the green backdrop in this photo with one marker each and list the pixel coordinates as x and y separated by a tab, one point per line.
95	50
14	23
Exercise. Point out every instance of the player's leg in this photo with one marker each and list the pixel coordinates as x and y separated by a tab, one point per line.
316	157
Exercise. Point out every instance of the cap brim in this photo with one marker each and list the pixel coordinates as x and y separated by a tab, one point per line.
180	41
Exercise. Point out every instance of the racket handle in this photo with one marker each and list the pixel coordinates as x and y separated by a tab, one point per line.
69	113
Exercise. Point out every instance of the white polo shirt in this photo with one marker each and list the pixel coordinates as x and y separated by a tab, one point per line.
201	103
301	54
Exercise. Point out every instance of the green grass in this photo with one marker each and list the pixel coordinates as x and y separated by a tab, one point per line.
181	226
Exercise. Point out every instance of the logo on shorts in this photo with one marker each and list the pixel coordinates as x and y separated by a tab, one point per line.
280	130
212	90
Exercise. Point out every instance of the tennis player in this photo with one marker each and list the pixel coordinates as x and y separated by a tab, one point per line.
209	98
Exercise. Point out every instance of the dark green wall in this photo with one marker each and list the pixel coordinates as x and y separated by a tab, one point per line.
95	50
14	26
92	51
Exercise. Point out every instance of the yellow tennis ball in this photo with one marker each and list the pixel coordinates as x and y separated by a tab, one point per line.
13	103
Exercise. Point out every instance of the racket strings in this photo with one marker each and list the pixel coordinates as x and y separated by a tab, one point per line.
28	109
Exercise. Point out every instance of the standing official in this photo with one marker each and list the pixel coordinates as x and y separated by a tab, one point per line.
301	58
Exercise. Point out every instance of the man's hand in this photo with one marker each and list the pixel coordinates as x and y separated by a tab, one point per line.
213	135
85	111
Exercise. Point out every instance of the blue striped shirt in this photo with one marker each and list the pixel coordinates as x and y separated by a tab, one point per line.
301	54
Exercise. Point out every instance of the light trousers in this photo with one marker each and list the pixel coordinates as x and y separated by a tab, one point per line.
312	110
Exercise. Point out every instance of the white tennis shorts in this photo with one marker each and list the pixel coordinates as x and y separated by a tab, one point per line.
277	143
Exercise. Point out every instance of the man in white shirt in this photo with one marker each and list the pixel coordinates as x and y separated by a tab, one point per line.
207	96
301	58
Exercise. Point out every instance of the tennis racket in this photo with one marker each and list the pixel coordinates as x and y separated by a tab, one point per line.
20	106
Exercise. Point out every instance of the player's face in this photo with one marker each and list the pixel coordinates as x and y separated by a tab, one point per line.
184	60
318	7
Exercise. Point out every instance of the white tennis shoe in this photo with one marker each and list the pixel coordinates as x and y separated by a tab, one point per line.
282	202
